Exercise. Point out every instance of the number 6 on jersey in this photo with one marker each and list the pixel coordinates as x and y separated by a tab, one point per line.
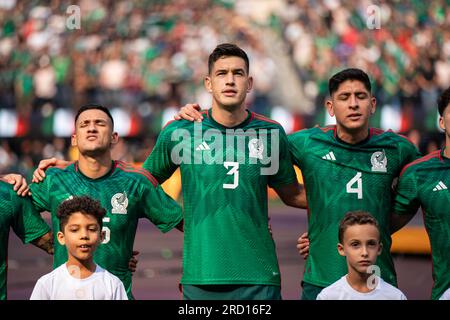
358	189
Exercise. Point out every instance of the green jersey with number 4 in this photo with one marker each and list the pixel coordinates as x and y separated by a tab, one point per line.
225	173
341	177
16	212
426	182
126	193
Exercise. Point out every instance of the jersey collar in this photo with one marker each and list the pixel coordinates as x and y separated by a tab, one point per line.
247	120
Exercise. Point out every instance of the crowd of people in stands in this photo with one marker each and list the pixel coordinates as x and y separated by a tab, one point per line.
146	56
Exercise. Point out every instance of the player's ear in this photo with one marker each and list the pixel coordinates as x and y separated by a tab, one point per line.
61	239
249	84
329	106
341	250
102	235
380	248
73	140
373	105
207	83
441	123
114	138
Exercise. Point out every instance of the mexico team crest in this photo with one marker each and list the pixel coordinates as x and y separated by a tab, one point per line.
379	161
119	203
256	148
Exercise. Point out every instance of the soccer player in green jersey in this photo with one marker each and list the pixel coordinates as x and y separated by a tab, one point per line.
346	167
18	212
227	162
426	182
127	194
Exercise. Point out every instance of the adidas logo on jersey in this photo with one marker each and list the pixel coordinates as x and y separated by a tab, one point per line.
440	186
329	156
203	146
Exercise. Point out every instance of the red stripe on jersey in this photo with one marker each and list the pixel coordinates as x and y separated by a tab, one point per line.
376	131
434	154
401	135
129	168
262	118
328	128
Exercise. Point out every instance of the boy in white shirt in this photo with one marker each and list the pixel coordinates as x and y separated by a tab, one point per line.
79	278
359	242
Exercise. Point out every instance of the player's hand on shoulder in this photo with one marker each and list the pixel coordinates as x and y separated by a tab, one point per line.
19	182
39	173
190	111
303	245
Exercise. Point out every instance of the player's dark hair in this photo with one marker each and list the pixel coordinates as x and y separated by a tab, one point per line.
227	50
443	101
93	106
355	217
348	74
84	204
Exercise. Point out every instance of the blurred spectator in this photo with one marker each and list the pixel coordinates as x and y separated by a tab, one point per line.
148	56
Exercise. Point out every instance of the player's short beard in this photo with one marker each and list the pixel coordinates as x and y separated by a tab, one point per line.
96	152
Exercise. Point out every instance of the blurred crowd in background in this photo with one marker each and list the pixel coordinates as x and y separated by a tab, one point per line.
148	57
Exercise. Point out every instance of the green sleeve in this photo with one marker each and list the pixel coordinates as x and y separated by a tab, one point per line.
296	142
409	152
286	173
159	163
27	223
40	194
406	199
159	207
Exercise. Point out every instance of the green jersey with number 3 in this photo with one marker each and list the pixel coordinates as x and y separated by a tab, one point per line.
225	173
126	193
426	183
16	212
341	177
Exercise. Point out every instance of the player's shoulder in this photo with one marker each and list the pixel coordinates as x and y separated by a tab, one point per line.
54	171
391	135
264	121
421	163
138	174
172	125
314	131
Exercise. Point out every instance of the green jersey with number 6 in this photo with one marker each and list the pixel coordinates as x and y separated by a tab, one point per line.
426	183
16	212
341	177
126	193
225	173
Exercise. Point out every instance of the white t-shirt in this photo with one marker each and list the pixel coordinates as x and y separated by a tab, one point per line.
60	285
341	290
445	295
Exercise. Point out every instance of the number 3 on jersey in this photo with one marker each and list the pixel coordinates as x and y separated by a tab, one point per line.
358	189
233	171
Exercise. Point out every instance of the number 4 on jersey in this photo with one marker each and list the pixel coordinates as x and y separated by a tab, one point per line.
358	189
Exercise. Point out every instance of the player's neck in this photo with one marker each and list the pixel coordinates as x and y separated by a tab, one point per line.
229	117
95	167
80	269
352	137
358	281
